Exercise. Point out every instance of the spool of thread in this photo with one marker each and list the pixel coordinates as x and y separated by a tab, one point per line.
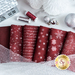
30	15
25	19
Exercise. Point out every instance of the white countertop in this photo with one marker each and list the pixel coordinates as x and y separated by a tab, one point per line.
23	5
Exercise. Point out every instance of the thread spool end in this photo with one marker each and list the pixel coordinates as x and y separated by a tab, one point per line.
29	21
18	18
36	19
26	12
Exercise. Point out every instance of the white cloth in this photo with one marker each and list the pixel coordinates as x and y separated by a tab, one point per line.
23	68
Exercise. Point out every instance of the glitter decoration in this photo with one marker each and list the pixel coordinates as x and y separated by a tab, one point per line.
47	20
70	20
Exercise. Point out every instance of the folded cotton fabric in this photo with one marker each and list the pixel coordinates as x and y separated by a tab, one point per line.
15	42
41	44
56	40
5	36
29	41
69	45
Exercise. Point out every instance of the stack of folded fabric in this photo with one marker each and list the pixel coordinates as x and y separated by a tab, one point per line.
36	43
29	41
41	44
56	40
15	42
69	45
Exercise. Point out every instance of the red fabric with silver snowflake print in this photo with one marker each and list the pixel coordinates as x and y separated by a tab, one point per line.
55	43
41	45
15	42
69	45
29	40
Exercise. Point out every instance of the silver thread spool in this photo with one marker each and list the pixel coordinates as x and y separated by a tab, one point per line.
24	19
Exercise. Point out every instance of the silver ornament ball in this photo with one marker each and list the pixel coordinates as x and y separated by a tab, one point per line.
53	21
70	20
46	19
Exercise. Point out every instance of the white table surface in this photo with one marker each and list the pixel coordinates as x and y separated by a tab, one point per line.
23	5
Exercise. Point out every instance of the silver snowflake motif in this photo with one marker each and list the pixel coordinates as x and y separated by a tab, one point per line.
59	34
53	41
72	40
40	57
46	34
39	53
48	58
53	48
41	32
36	61
16	37
60	45
19	28
39	40
19	44
38	46
43	49
14	47
43	36
69	43
43	43
56	55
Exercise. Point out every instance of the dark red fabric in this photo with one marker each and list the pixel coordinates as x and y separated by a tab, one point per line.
69	45
5	36
15	42
41	45
55	43
29	40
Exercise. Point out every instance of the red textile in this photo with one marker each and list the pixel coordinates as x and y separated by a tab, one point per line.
41	45
29	14
15	42
55	43
5	36
69	45
29	40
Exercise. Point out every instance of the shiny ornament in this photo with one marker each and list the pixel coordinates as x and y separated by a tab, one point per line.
53	21
47	20
70	20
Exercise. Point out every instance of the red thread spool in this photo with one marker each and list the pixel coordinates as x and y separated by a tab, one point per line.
30	15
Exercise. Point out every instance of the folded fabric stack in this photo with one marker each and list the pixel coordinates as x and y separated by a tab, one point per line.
41	44
15	42
37	43
29	41
56	40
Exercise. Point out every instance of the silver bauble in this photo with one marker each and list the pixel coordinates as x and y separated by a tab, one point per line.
70	20
46	19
